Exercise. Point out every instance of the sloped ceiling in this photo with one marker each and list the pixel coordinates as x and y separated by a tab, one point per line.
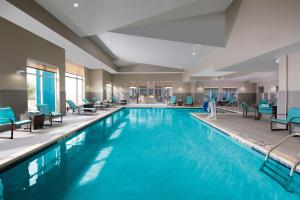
167	33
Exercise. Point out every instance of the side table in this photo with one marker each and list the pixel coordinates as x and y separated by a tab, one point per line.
37	119
180	102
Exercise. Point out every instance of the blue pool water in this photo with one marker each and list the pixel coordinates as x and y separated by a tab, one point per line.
144	154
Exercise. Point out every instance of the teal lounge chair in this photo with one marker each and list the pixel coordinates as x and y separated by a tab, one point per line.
264	108
247	109
74	107
263	101
7	117
189	101
114	100
44	109
292	117
86	101
173	100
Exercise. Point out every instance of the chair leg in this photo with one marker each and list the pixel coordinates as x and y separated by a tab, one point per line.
289	127
12	131
271	124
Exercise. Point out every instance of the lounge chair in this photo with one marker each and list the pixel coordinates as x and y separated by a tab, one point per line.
292	117
86	101
7	117
75	108
247	109
94	100
114	100
44	109
189	101
173	100
106	104
263	101
264	108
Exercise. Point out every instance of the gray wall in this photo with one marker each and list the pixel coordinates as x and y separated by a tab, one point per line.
95	80
16	46
39	13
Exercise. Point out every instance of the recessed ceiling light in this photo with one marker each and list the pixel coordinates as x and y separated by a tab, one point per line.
193	53
76	5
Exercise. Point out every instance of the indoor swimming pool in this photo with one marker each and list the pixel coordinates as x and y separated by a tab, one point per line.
144	153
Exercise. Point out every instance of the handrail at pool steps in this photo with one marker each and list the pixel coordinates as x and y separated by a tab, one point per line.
293	168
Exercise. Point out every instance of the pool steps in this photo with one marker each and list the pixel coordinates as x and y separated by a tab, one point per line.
284	181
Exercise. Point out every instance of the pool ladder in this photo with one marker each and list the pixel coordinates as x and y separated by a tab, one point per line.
288	181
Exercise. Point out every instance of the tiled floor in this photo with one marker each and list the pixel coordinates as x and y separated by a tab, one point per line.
257	132
25	142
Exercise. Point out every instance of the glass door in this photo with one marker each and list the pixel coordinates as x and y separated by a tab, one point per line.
133	94
142	94
108	92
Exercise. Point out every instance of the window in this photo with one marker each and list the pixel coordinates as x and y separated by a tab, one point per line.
42	86
150	91
211	93
229	94
108	92
75	84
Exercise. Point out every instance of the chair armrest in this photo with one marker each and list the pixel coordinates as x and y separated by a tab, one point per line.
11	121
291	120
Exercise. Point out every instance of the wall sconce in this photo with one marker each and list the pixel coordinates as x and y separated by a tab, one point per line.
180	88
242	88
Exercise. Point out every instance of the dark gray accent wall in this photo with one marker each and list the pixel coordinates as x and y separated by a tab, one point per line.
249	98
17	99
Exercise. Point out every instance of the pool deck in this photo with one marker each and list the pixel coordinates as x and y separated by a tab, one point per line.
256	134
26	143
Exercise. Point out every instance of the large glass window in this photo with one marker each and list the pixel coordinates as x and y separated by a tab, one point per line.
150	92
42	86
229	94
133	94
211	93
75	84
108	91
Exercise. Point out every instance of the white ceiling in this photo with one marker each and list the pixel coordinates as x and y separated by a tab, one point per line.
158	32
155	51
99	16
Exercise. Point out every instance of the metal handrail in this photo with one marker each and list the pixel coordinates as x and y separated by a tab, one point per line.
231	102
293	169
278	144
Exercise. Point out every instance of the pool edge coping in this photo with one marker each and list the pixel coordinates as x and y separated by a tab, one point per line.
22	155
247	143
